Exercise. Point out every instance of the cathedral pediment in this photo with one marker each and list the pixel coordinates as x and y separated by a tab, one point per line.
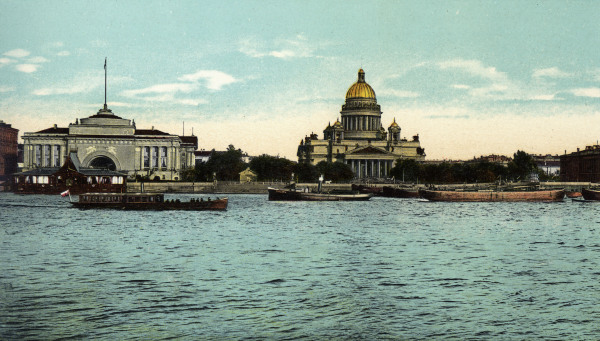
369	150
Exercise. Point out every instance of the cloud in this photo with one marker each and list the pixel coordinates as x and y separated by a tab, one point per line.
475	68
81	83
215	80
37	60
63	53
17	53
586	92
5	61
27	68
165	93
551	97
399	93
169	88
552	72
6	88
461	86
297	47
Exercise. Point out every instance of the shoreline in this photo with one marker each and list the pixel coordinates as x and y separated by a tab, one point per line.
224	187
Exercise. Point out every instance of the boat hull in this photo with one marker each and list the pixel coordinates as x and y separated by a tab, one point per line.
392	192
291	195
590	194
494	196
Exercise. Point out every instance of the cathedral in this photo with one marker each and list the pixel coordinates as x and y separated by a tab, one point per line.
359	139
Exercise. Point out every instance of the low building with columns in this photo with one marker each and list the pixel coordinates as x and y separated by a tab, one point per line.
107	141
359	139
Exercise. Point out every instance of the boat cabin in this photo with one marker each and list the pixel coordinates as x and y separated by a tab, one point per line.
70	176
111	198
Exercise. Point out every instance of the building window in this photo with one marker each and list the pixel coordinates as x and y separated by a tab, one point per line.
154	157
163	157
56	154
146	157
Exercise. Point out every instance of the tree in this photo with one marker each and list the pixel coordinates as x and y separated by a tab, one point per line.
521	166
406	170
305	172
335	171
269	167
226	165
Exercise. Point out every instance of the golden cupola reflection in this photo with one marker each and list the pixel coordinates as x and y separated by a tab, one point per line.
360	89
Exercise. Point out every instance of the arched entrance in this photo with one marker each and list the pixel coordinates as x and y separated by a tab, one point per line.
103	162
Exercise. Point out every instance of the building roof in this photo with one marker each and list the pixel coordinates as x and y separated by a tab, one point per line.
153	132
360	89
54	130
193	140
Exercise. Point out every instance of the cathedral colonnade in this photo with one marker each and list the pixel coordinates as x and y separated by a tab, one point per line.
370	168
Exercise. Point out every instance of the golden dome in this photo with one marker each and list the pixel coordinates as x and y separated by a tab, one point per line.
394	124
360	89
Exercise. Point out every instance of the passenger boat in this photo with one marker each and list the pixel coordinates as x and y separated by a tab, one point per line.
590	194
295	195
146	201
490	196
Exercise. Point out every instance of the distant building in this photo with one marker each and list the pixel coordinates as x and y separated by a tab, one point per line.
549	164
493	158
247	175
359	139
107	141
202	156
581	166
8	150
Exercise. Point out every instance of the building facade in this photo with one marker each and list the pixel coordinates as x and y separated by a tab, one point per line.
581	166
107	141
8	150
359	139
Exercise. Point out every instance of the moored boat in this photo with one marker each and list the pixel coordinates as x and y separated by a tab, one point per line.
492	196
395	192
294	195
590	194
146	201
367	189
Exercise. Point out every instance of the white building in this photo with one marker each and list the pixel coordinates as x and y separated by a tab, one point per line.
107	141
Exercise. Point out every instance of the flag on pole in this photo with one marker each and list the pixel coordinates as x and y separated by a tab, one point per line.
65	193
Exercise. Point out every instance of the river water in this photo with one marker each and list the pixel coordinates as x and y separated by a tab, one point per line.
383	269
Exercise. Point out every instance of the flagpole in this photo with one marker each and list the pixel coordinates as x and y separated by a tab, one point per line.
105	107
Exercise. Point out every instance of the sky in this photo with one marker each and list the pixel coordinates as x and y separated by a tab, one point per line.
471	78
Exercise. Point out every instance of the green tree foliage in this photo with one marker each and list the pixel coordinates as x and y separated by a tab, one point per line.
521	166
227	165
306	172
335	171
188	174
406	170
412	171
269	167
